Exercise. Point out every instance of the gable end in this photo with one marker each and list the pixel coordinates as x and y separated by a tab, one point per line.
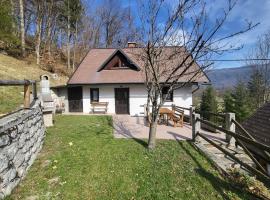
118	60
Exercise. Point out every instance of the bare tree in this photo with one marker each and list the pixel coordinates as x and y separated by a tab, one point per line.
39	20
22	28
13	16
50	20
110	15
29	16
75	40
194	36
91	33
117	23
259	59
68	34
130	32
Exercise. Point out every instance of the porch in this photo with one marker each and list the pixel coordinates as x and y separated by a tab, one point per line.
126	126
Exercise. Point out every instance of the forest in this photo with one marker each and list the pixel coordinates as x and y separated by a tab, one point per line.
62	31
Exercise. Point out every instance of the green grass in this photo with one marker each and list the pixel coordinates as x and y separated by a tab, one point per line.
11	98
15	69
97	166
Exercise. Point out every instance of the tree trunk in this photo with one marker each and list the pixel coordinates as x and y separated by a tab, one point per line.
152	134
49	26
13	18
153	126
68	43
148	105
22	29
38	33
48	38
60	39
75	45
97	38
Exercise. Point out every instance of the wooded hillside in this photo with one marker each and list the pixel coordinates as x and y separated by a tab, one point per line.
60	32
11	97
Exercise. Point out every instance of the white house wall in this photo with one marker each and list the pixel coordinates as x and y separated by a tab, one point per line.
60	96
138	97
106	94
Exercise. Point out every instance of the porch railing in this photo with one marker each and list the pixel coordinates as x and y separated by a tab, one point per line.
233	137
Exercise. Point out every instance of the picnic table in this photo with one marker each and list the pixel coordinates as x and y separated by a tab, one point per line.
176	115
165	114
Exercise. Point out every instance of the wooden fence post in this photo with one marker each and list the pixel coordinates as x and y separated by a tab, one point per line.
145	110
34	88
191	110
27	96
230	126
196	126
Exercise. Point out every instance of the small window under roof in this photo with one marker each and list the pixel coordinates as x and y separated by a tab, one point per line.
119	61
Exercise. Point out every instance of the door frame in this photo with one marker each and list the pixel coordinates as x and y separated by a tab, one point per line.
128	111
77	99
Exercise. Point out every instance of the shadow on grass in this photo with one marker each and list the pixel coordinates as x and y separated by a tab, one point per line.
122	129
219	184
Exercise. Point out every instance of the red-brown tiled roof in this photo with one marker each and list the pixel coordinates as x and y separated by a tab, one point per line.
87	72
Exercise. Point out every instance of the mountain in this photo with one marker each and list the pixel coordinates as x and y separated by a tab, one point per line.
225	78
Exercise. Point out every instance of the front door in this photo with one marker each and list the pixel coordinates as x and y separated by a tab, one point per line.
75	99
121	100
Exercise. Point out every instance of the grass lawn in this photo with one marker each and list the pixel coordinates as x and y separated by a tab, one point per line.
81	160
11	97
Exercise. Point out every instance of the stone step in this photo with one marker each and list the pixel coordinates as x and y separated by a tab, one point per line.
223	161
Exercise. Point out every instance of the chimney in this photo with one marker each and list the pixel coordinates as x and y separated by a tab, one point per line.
132	44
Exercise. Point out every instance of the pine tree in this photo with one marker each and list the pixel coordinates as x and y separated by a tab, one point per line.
239	102
256	88
8	40
208	104
229	105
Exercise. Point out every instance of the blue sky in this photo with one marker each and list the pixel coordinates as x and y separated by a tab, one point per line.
256	11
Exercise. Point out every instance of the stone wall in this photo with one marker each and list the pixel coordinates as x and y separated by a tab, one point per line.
21	138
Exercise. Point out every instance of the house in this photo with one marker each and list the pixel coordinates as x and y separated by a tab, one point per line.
258	125
116	76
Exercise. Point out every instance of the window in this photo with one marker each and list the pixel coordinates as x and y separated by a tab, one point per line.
165	92
94	92
119	64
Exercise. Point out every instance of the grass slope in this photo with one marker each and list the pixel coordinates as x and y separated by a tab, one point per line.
81	160
11	68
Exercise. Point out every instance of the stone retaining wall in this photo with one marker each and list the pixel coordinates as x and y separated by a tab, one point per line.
21	138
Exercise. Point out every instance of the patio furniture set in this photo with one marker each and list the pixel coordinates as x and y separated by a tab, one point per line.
176	115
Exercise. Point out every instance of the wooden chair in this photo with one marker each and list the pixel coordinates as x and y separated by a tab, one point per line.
177	117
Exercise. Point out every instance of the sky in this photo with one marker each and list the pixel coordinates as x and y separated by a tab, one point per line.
255	11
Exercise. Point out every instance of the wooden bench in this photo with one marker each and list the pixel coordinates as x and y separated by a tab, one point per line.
98	107
177	116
